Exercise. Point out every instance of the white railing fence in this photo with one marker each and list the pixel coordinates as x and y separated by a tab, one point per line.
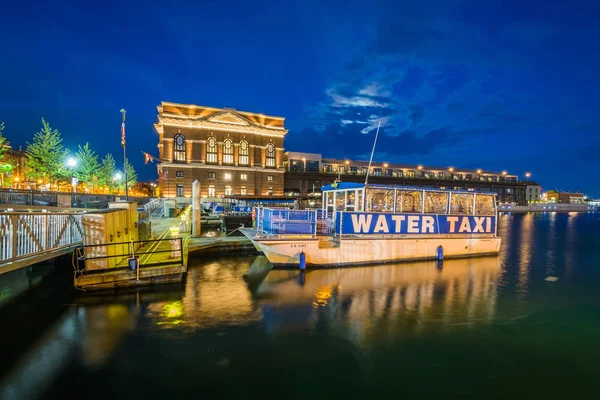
28	234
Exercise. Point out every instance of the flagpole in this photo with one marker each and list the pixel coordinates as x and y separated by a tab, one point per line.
123	143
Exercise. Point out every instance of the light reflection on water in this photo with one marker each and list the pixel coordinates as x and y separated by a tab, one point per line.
235	313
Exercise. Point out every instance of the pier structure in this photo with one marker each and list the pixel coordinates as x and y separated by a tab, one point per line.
113	256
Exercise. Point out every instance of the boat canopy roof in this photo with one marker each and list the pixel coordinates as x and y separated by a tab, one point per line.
355	185
342	186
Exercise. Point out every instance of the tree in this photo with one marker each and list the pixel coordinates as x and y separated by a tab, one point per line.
131	178
6	167
88	166
106	171
131	175
46	155
4	145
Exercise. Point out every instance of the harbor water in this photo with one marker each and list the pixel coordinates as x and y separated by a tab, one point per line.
524	324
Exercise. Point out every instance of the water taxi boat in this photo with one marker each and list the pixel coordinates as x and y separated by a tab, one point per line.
361	224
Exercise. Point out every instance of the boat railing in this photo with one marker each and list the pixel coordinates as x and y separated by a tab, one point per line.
282	221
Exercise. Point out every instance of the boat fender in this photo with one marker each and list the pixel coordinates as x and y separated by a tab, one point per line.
440	253
302	260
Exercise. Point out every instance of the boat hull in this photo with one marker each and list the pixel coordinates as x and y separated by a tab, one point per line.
320	252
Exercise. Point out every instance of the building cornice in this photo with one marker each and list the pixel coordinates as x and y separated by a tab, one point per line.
218	126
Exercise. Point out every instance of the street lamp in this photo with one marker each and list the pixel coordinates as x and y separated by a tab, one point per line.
117	178
71	163
527	175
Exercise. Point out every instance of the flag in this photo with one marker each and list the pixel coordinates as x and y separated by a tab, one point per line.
148	157
123	129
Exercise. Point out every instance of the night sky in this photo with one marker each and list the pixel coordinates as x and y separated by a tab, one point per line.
474	84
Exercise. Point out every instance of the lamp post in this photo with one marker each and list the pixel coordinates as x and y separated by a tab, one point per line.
116	179
71	163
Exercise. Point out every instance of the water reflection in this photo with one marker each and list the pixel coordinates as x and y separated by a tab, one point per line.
390	298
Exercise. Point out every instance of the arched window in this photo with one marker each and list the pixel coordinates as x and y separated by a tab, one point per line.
211	150
228	151
244	150
271	155
179	148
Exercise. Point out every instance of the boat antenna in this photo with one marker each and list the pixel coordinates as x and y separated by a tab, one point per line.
372	152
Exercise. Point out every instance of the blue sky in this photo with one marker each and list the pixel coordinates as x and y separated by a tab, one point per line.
494	85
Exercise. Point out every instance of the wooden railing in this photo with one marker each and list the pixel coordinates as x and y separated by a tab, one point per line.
24	235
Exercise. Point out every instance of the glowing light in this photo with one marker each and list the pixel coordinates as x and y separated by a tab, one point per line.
71	162
527	174
451	169
347	162
117	176
503	172
385	165
420	167
478	171
227	177
16	179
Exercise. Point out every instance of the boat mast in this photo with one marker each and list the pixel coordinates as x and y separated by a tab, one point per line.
372	152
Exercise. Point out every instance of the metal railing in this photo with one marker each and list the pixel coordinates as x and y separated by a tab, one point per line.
25	235
60	199
283	221
152	205
97	257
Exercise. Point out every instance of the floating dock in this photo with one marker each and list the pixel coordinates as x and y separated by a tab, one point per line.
112	257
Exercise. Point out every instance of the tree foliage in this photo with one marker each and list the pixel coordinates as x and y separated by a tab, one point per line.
3	142
106	171
87	167
131	175
46	155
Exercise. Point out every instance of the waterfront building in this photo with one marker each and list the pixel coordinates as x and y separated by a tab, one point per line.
230	152
306	173
555	196
16	179
533	193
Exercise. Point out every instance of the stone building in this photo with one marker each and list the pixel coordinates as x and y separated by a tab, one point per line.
230	152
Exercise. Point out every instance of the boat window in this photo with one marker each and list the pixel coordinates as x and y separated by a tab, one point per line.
329	199
484	204
409	201
350	200
340	200
360	200
461	203
436	202
380	200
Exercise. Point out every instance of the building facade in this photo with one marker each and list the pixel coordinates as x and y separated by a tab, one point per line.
17	177
305	182
554	196
230	152
534	193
